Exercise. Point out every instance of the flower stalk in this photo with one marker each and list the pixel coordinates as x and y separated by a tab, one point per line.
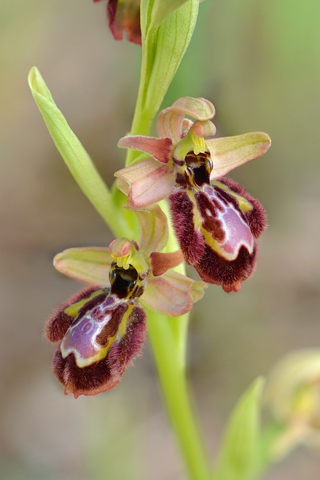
172	375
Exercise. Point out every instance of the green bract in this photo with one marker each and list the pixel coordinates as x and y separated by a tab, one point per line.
162	50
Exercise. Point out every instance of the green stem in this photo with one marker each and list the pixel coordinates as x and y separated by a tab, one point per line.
175	389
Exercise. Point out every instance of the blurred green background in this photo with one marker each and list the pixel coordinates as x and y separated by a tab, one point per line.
259	63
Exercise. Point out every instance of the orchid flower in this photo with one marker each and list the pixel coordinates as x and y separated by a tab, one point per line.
103	328
215	220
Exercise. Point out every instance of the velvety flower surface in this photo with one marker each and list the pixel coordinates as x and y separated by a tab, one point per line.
103	328
124	15
216	221
100	334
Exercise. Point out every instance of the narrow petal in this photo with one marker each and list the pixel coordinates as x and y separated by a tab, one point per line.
146	182
172	294
88	265
232	152
170	120
161	262
159	148
153	229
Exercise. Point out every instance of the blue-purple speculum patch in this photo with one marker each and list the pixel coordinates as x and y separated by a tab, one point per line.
100	331
216	222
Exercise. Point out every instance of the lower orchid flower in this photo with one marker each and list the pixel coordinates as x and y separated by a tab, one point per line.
215	220
103	328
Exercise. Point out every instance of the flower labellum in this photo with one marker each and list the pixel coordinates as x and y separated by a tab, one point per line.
101	331
215	220
216	226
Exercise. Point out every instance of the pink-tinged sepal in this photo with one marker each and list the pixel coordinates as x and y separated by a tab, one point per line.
124	15
146	182
228	153
172	294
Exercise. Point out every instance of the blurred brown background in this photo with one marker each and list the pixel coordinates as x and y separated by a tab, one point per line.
259	63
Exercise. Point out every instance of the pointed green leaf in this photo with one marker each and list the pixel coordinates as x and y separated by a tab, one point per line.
238	454
90	265
74	155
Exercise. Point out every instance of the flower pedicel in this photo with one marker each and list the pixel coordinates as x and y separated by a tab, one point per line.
215	221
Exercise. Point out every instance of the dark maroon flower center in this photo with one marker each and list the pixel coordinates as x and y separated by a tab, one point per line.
197	169
123	281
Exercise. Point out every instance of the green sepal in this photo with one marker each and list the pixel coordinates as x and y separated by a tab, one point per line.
89	265
75	156
228	153
239	451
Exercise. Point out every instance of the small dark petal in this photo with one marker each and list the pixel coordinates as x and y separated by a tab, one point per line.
60	321
257	217
191	241
122	353
213	268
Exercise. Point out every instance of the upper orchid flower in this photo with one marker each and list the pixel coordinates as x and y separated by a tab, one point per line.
216	222
103	328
